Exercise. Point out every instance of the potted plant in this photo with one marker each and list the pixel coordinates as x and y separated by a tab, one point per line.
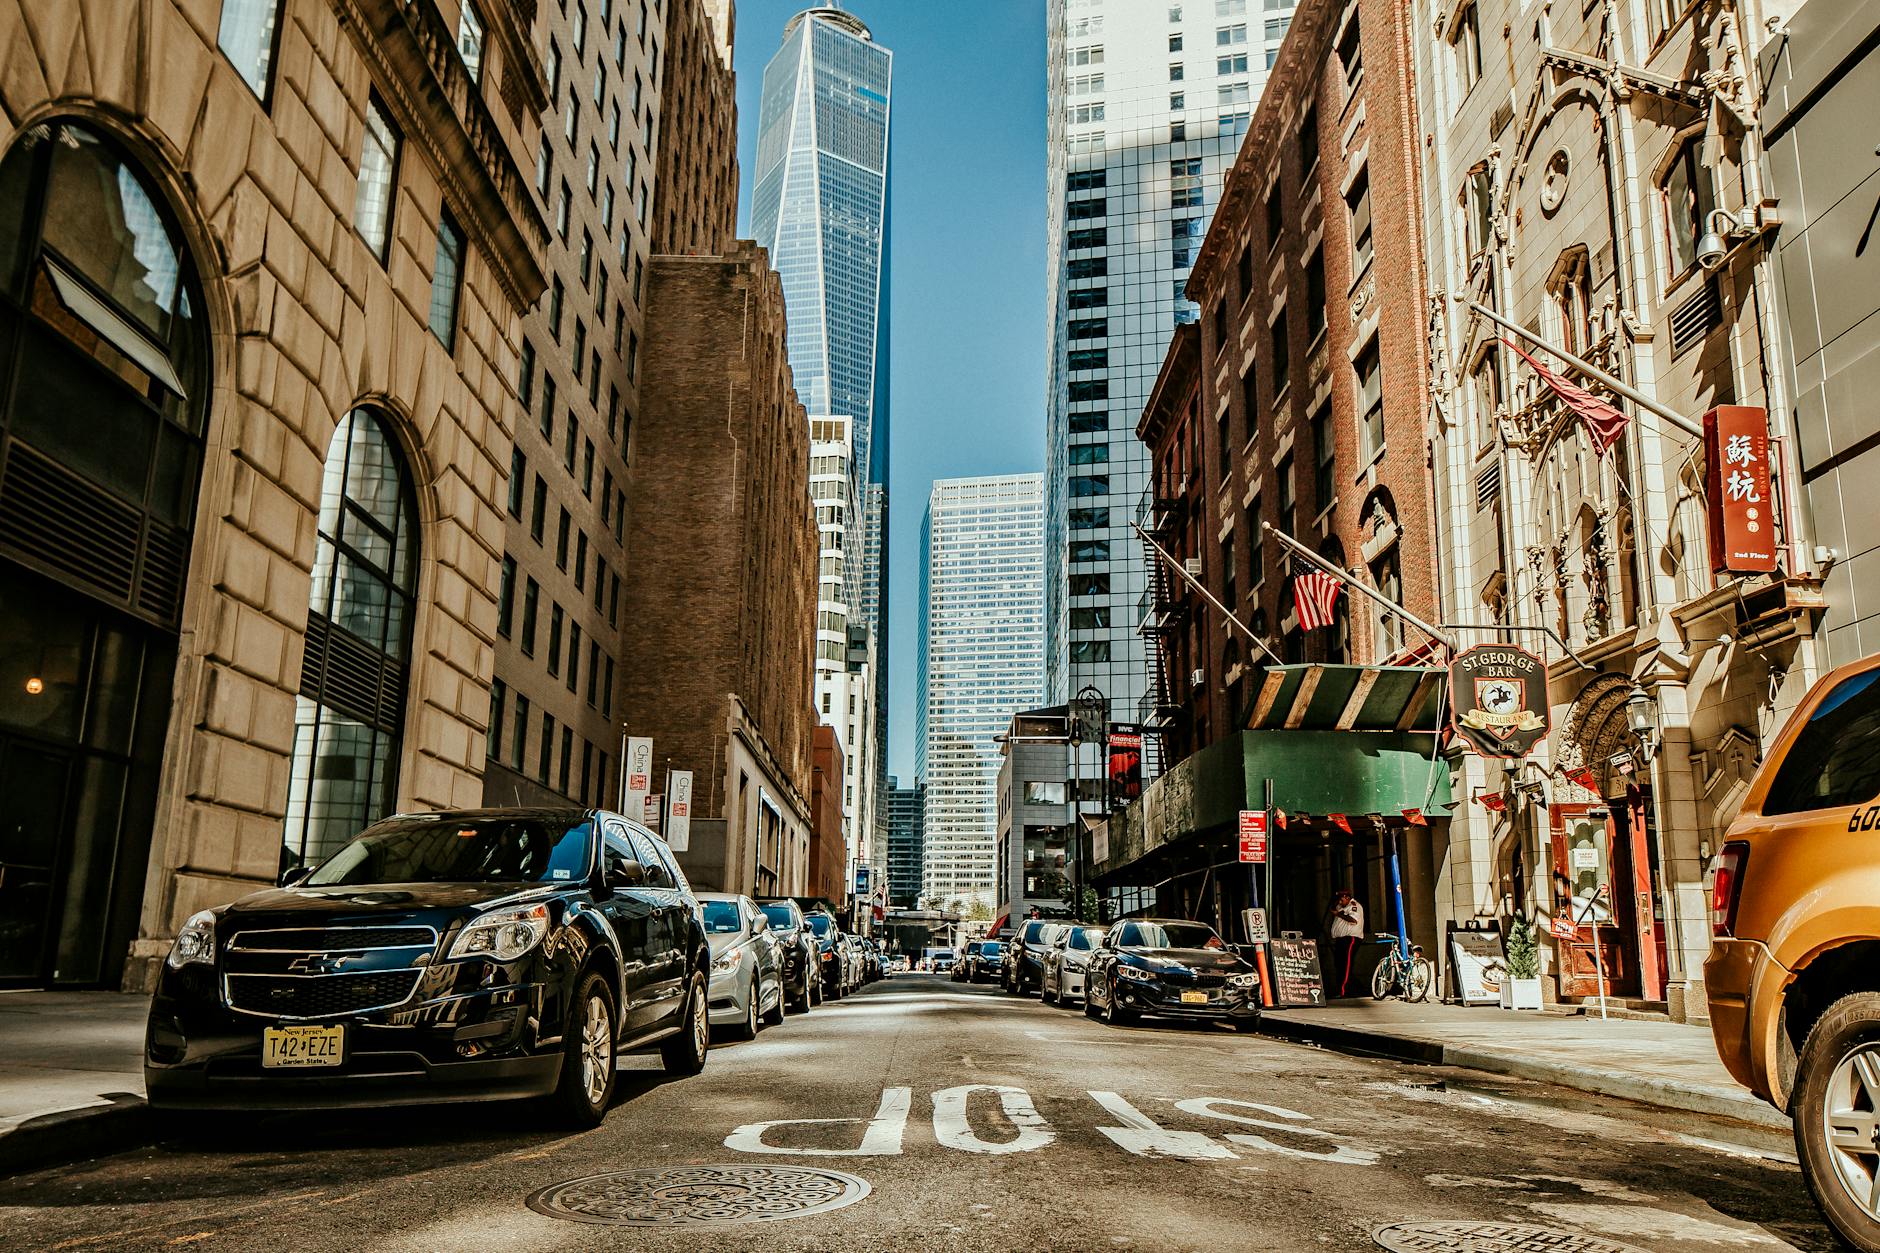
1521	984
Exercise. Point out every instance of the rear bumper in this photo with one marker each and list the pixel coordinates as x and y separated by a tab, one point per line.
1742	985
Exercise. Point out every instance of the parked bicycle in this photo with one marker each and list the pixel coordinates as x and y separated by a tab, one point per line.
1408	977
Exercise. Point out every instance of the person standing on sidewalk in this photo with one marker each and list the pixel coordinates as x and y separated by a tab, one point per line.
1347	930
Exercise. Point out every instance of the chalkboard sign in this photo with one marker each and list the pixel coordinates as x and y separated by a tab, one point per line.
1296	976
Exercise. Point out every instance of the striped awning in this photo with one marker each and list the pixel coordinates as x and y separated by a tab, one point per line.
1347	698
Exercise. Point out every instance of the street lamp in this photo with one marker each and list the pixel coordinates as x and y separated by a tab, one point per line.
1641	716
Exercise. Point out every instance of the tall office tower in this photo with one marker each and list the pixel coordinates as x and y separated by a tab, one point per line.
554	737
1148	103
981	658
820	206
905	825
845	688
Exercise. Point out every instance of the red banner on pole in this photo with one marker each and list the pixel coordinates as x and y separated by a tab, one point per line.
1742	507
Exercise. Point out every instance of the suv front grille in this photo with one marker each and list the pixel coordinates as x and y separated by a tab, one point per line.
319	996
332	939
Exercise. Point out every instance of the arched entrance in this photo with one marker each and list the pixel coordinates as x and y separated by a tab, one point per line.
103	394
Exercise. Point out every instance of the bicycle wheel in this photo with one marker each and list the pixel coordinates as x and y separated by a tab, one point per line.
1422	975
1384	977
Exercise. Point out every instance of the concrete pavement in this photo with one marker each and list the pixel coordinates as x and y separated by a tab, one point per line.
975	1121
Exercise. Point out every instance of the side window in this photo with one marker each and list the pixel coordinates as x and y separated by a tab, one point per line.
657	876
1835	760
614	847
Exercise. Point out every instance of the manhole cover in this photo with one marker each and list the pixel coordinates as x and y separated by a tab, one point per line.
699	1194
1467	1237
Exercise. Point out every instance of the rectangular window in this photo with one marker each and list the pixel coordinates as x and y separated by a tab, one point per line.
1089	652
1686	198
246	37
1288	501
531	594
1308	143
1088	359
1275	216
1351	55
1089	519
587	469
493	736
546	423
470	40
1088	267
546	754
1088	328
555	616
574	656
1085	180
1078	209
557	295
1090	485
378	172
1088	298
1280	361
1465	42
1089	237
587	770
600	581
518	481
561	540
1315	295
1256	547
607	689
1323	486
1175	72
1087	423
1088	390
1089	454
506	598
567	757
1090	550
633	356
1235	63
538	512
1090	584
584	261
446	281
580	561
1041	793
519	732
1230	36
594	675
525	376
1250	396
1358	203
1370	399
1095	618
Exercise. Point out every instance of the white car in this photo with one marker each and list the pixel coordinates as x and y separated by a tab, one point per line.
747	973
1065	961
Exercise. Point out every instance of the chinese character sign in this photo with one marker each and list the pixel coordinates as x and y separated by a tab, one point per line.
1742	507
639	776
678	830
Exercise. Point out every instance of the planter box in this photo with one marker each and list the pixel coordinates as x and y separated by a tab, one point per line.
1520	993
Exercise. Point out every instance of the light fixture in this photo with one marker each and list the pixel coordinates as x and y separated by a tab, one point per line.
1641	713
35	685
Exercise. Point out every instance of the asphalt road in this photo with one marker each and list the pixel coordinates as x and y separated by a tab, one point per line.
1141	1138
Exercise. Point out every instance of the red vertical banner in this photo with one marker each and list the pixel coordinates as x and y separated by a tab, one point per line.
1742	507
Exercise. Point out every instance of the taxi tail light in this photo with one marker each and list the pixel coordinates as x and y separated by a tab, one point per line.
1726	887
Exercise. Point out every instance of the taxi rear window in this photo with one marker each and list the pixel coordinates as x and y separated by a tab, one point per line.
1835	760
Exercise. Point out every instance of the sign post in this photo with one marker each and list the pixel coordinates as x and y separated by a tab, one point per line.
1252	833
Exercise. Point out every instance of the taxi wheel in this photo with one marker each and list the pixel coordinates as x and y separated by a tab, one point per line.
1835	1108
585	1086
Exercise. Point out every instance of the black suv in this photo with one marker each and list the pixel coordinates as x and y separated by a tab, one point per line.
1022	970
480	953
796	946
830	958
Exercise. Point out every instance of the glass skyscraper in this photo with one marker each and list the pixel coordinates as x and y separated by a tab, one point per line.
1148	104
981	659
820	207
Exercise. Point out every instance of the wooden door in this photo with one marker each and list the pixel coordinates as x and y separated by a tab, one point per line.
1582	863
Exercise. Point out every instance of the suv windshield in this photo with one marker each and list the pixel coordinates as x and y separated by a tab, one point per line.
1169	935
779	916
721	917
476	850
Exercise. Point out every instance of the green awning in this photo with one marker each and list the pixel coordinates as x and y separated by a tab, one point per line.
1346	698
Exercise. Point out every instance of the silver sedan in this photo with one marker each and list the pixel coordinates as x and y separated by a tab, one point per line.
747	973
1064	963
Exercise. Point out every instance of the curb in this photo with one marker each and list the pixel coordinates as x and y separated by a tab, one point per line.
72	1134
1646	1090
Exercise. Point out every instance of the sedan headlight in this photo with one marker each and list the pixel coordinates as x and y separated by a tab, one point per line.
195	943
1075	963
1246	980
502	934
727	961
1136	973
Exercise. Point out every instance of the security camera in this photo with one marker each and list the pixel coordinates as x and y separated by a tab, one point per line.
1711	250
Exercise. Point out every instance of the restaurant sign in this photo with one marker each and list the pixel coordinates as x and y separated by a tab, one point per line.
1498	694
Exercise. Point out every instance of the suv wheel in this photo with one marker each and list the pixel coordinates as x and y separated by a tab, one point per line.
586	1084
684	1053
1835	1108
804	999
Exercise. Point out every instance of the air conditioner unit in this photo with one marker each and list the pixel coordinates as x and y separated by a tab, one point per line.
1193	566
1198	678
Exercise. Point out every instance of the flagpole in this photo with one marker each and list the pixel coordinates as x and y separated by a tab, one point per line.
1356	584
1196	584
1591	371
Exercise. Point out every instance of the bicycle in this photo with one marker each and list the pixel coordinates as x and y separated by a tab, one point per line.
1397	975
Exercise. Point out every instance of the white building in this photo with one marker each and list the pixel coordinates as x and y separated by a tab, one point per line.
981	658
1148	102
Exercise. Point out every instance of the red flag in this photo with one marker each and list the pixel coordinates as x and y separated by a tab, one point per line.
1494	802
1604	423
1342	823
1415	818
1279	819
1314	593
1583	777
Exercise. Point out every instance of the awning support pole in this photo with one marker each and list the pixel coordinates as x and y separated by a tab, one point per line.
1396	901
1357	585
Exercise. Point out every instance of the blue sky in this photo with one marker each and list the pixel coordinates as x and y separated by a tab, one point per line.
967	317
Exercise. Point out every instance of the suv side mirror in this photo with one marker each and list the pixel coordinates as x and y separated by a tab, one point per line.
625	872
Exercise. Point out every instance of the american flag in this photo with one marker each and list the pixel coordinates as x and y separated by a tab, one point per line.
1314	593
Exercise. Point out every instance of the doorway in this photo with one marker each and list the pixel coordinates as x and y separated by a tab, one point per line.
37	783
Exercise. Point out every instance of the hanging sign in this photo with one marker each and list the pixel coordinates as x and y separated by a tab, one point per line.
678	831
639	776
1498	698
1125	763
1736	473
1253	835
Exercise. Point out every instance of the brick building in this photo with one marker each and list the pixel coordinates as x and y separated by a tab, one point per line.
278	251
695	193
1298	399
721	618
828	856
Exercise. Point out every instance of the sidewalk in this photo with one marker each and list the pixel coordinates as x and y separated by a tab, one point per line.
71	1075
1668	1064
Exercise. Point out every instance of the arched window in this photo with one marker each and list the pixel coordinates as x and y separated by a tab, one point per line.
350	711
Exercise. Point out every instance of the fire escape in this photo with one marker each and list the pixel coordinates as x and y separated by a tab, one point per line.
1161	611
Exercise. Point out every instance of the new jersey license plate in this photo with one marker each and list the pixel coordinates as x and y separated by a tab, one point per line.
290	1048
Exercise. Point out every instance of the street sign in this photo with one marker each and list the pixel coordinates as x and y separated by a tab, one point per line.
1253	835
1255	922
639	775
679	811
1498	699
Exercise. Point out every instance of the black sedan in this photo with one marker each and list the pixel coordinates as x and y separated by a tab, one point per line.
990	961
477	954
1173	968
802	985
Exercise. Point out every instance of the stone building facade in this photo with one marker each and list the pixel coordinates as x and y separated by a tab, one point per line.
695	195
1582	157
553	735
278	251
717	659
828	858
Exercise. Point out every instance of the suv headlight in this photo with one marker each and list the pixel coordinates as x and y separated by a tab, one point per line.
502	934
195	942
1136	973
1245	980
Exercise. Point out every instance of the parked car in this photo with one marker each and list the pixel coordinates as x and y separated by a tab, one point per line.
987	964
1795	916
1172	967
854	970
830	965
1022	969
747	973
942	965
519	951
963	966
1065	962
797	945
